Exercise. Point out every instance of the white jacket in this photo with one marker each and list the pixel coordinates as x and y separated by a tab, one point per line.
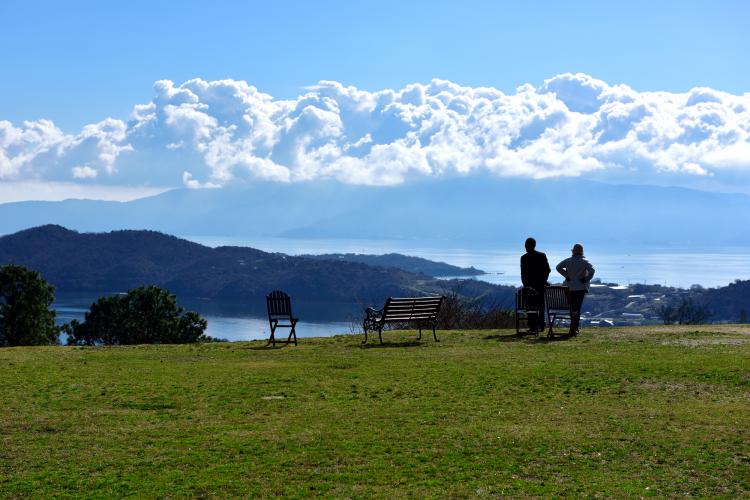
577	271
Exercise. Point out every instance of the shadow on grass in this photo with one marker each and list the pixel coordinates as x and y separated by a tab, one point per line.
269	347
529	338
412	343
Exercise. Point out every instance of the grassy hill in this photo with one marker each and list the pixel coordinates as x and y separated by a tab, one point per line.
616	412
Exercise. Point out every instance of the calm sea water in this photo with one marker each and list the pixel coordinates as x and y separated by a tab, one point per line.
680	267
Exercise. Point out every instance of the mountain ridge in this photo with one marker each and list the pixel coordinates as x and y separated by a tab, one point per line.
470	210
120	260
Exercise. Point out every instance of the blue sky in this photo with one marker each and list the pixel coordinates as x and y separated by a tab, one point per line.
78	63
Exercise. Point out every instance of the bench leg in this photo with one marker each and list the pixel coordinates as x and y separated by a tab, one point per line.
551	319
380	334
433	334
364	329
419	325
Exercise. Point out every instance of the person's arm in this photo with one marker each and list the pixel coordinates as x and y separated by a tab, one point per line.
562	269
524	273
547	270
589	271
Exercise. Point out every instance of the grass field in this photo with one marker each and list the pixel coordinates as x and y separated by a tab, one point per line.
615	412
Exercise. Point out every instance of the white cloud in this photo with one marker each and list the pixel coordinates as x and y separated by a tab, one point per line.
84	172
210	133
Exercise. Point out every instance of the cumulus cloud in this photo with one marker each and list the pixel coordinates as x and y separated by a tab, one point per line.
211	133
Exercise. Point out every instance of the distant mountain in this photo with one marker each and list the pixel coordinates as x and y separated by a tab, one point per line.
120	260
470	210
416	265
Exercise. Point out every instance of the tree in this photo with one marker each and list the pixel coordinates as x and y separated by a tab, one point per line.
145	315
25	314
692	313
689	312
668	314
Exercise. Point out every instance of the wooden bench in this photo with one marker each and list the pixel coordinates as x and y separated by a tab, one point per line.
557	300
422	310
528	304
279	310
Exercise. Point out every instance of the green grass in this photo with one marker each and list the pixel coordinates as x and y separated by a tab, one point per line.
615	412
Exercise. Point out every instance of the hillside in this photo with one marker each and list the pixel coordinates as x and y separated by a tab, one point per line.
618	413
120	260
416	265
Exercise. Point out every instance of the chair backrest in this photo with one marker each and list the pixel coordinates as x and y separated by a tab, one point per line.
557	297
527	298
412	308
279	304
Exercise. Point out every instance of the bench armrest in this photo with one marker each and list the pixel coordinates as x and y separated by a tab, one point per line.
373	313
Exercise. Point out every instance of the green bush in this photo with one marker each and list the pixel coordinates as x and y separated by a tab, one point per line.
145	315
25	316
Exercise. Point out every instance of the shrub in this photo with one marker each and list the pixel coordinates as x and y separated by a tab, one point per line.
145	315
25	315
459	312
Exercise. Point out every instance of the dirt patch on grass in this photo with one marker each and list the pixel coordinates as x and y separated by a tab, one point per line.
705	341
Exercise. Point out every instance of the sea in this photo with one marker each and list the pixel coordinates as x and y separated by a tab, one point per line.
663	265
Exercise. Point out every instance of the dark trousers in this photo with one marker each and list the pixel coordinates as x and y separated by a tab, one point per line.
537	323
576	301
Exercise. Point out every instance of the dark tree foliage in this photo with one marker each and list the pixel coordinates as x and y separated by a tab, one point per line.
689	312
458	312
25	316
145	315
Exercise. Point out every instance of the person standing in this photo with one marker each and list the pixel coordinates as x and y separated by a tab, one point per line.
577	271
534	273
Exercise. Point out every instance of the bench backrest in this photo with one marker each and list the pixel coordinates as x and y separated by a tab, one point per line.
557	297
413	308
279	305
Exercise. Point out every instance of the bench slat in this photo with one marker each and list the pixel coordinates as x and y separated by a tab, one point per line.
408	307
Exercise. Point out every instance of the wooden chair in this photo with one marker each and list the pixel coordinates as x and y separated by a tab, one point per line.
279	310
557	300
528	305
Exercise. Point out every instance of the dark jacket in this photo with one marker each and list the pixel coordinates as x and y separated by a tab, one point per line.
534	269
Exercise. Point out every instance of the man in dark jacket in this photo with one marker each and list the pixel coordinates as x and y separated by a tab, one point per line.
534	273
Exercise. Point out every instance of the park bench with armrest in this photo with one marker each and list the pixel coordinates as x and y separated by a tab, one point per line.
420	310
557	301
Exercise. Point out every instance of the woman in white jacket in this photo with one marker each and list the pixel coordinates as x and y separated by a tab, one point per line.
577	271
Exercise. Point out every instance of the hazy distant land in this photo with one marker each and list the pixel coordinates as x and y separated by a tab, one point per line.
471	210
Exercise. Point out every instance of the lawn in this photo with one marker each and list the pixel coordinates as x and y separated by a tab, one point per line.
615	412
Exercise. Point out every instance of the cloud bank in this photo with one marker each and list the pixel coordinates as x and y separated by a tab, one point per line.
212	133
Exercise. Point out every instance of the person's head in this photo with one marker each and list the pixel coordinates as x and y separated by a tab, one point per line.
577	249
530	244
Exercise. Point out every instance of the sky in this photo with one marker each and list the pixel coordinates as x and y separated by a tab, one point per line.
117	100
